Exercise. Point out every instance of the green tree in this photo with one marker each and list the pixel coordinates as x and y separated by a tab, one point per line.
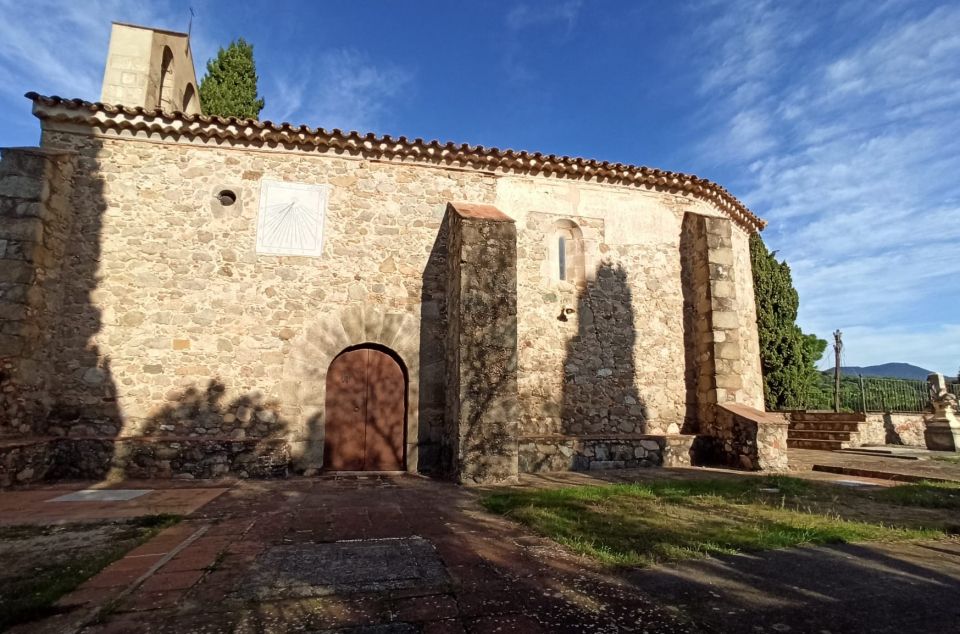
787	355
230	87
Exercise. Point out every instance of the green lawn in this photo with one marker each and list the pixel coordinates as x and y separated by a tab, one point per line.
652	522
931	495
39	564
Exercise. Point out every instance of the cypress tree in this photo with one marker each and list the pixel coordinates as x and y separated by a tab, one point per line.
230	86
788	356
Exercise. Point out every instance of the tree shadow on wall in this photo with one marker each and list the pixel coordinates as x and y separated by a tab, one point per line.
196	432
599	372
201	434
482	351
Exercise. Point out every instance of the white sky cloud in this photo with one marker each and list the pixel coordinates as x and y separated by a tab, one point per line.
59	48
524	15
836	122
342	88
339	88
851	151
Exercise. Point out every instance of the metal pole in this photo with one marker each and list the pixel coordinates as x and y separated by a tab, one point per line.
863	395
837	347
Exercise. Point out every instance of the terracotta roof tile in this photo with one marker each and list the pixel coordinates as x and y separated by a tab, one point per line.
251	130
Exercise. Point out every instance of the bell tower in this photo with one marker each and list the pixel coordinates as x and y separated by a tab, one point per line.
152	68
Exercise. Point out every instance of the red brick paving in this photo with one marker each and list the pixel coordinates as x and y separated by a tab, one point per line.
502	579
495	578
33	505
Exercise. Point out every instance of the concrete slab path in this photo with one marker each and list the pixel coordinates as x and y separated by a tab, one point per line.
806	461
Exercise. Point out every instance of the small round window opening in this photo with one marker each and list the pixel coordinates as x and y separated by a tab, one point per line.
227	197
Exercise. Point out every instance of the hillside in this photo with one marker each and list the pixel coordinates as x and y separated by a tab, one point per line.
894	370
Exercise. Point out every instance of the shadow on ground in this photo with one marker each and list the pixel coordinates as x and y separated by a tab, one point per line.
844	588
415	555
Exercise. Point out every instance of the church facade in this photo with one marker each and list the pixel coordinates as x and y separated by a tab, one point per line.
188	295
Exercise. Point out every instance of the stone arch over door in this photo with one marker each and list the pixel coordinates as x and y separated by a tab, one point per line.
313	350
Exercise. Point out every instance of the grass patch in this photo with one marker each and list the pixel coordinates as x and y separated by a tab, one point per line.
931	495
652	522
29	593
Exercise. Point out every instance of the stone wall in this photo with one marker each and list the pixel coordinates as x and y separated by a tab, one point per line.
36	460
747	438
610	355
593	453
482	344
895	429
173	315
35	186
25	462
171	324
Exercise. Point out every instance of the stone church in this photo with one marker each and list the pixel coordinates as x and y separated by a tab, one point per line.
184	295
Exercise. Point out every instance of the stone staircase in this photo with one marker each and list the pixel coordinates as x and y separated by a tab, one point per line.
828	431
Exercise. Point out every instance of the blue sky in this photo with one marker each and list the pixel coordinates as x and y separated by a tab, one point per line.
836	121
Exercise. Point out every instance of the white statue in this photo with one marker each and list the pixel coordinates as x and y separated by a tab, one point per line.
943	429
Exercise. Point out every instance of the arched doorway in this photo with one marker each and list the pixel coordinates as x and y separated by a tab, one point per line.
366	412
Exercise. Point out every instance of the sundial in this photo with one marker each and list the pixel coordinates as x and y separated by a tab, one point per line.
291	216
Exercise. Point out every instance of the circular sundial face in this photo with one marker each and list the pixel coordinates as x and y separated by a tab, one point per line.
291	218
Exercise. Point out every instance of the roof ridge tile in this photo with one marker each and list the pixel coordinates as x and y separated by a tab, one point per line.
531	161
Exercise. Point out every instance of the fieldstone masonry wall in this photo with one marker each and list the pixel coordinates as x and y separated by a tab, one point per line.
746	438
169	326
482	344
894	429
35	186
593	453
735	433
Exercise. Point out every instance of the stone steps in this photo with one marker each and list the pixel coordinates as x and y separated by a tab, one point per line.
823	445
806	434
828	417
844	426
826	431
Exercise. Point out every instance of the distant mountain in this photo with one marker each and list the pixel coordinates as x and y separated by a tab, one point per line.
895	370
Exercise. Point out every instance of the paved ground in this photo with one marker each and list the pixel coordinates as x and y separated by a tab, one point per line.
889	588
877	464
407	554
40	505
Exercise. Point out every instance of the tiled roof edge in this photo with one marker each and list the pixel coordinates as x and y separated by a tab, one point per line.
233	128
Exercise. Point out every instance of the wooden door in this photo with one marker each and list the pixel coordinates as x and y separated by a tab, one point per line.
365	412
